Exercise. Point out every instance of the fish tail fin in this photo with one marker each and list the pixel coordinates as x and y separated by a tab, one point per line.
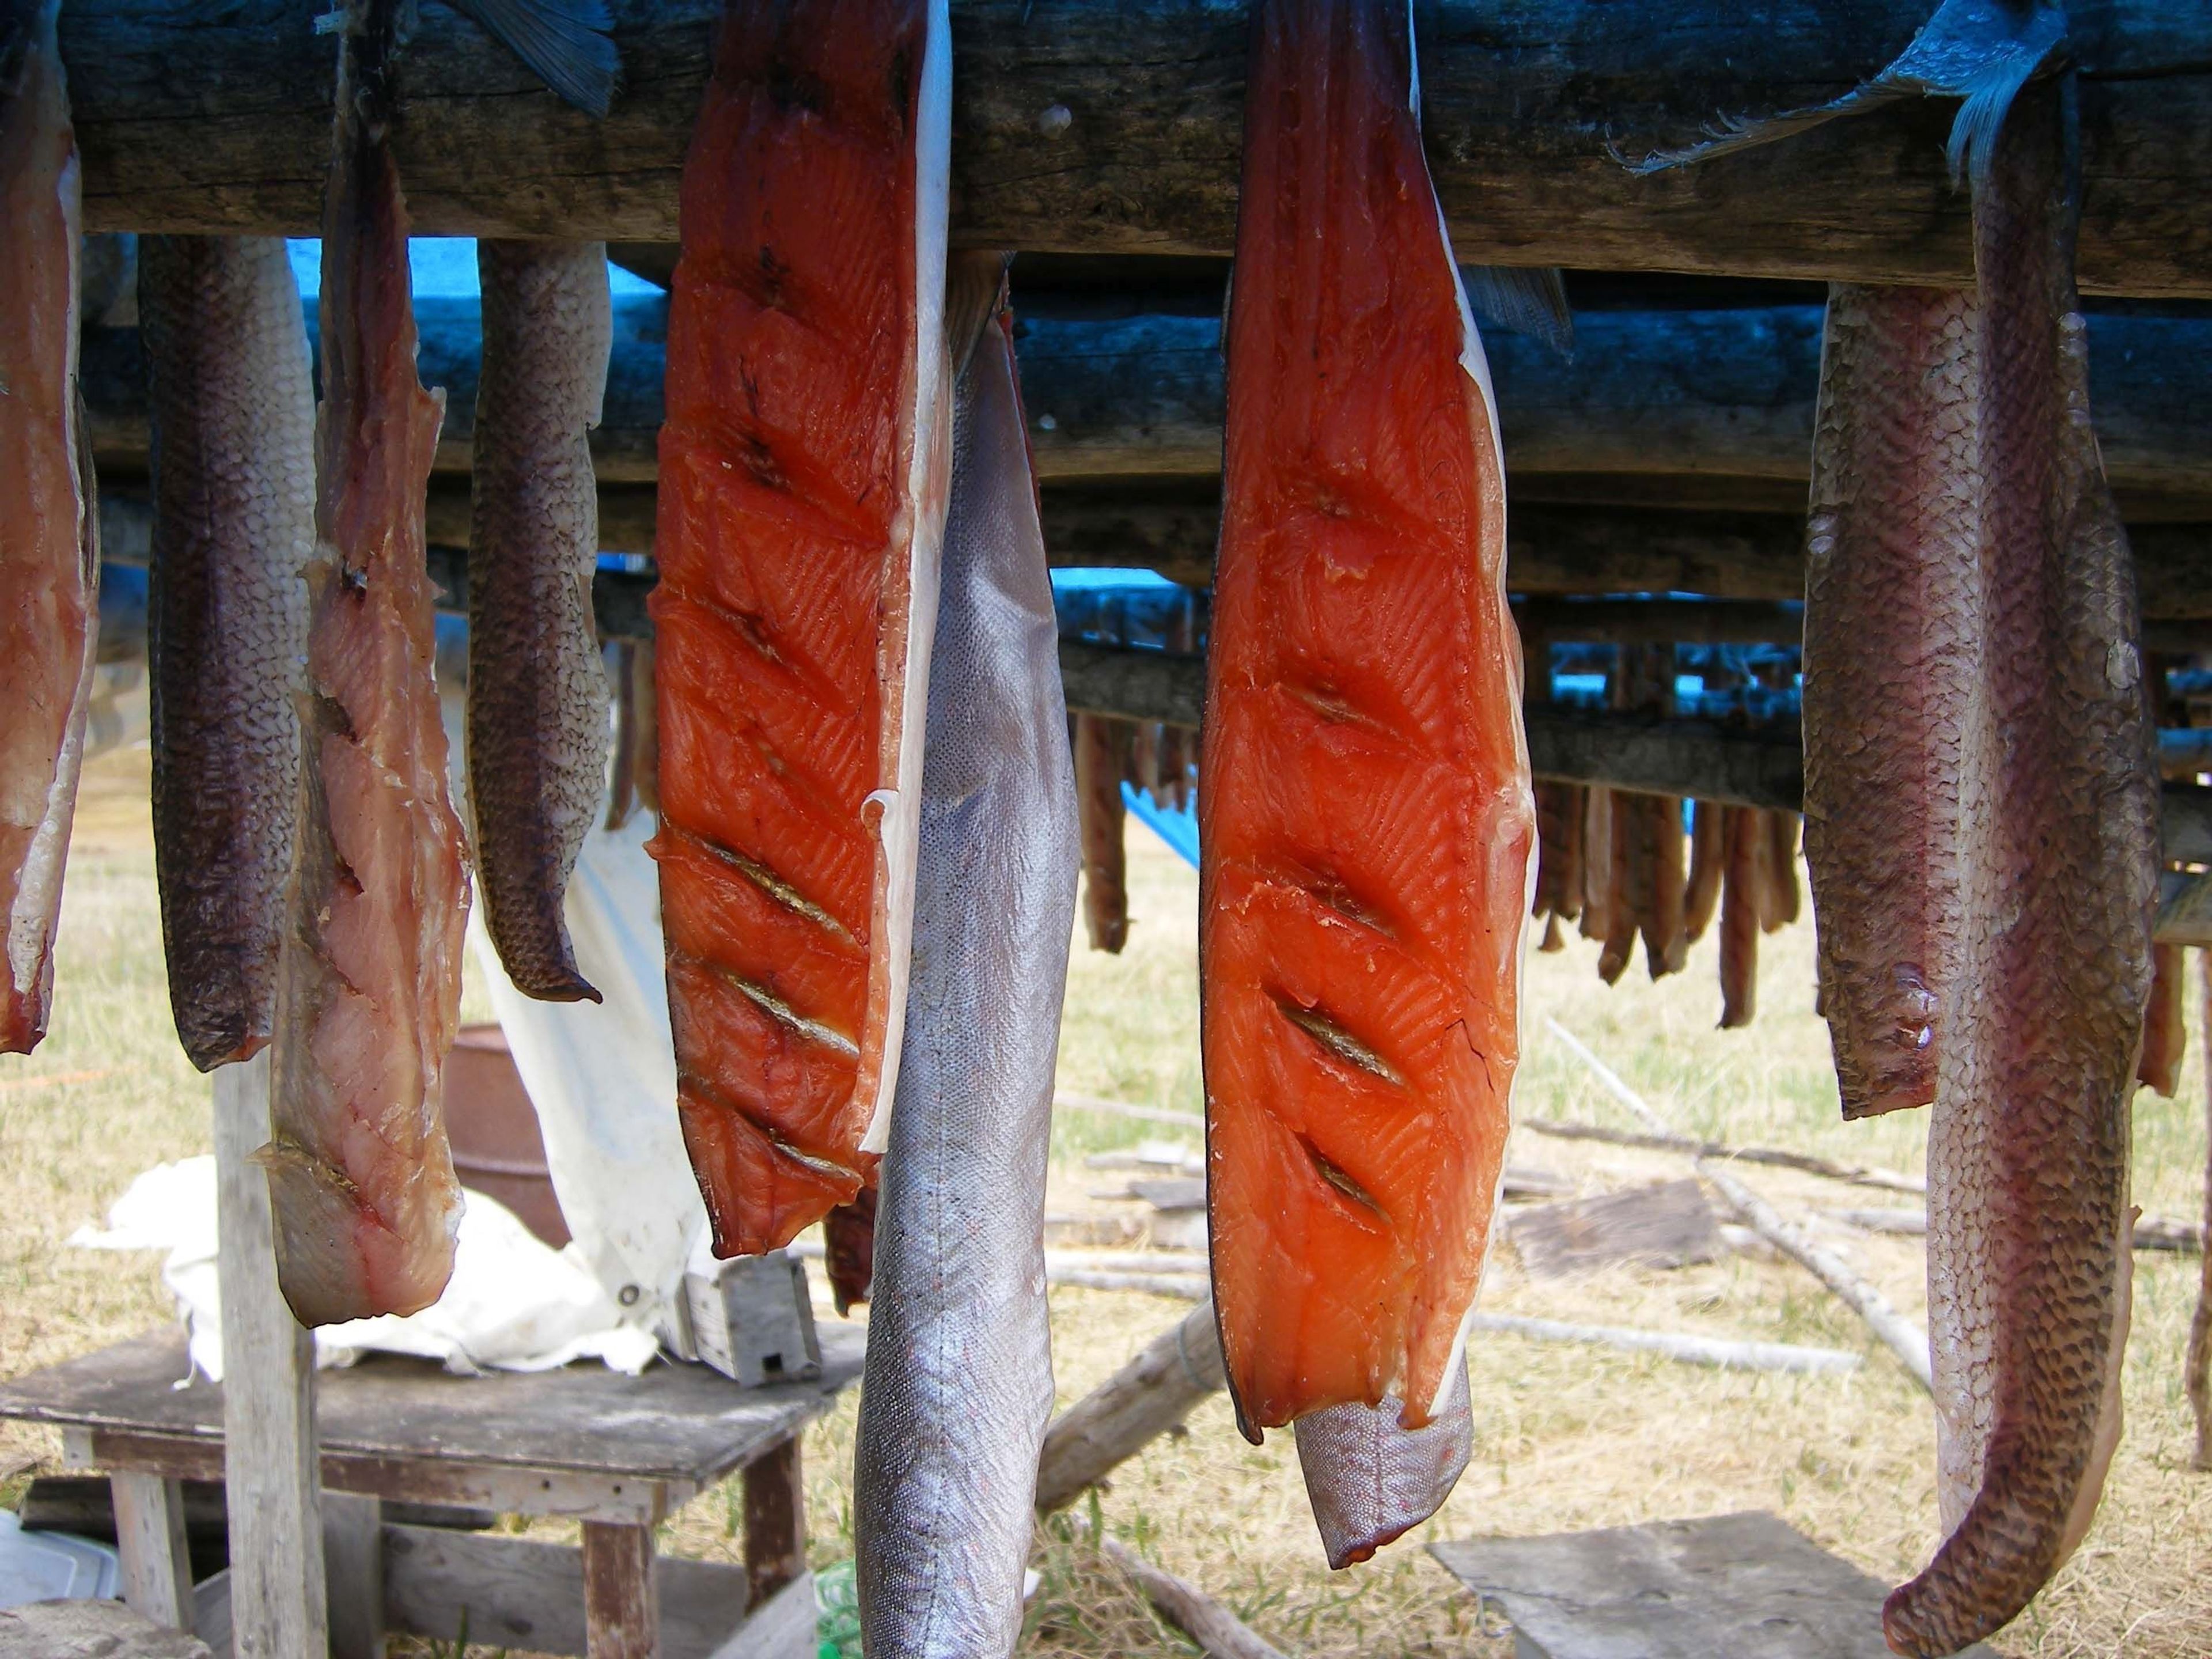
565	42
1527	300
1989	95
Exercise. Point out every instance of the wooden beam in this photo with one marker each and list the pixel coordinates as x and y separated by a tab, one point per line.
197	121
1169	1378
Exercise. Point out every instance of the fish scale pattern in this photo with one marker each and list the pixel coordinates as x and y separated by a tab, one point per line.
1364	805
784	521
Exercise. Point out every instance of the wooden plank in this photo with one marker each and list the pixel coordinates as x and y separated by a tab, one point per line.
1667	1224
775	1521
1167	1381
621	1598
353	1569
517	1593
674	1424
196	122
154	1553
268	1409
1744	1586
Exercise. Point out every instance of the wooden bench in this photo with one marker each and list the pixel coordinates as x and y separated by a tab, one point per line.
618	1454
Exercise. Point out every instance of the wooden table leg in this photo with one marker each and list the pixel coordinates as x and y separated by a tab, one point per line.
776	1520
621	1597
149	1539
353	1570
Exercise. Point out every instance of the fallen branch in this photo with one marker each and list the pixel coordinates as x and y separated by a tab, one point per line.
1190	1609
1164	1384
1729	1354
1904	1339
1612	1079
1123	1108
1858	1175
1191	1287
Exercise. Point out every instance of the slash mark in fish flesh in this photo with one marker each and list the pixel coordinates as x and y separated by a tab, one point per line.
538	689
1363	720
803	473
233	467
49	545
369	985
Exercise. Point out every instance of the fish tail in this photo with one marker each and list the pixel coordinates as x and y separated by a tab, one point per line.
1531	300
564	42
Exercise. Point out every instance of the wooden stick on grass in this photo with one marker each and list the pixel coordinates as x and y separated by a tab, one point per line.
1190	1609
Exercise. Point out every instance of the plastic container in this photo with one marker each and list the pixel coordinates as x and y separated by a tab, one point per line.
53	1566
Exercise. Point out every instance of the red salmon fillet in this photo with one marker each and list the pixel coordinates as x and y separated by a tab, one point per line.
49	559
802	469
1366	809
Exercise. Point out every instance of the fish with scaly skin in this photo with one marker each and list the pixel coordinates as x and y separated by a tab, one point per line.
1365	813
368	992
959	1369
1371	1480
233	486
49	532
538	686
803	468
1889	666
1099	755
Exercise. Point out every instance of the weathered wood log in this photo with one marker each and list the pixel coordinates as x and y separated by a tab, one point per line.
1728	1353
1219	1633
1114	127
1858	1175
1168	1379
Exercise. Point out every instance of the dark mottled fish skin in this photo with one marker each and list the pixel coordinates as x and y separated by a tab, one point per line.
848	1237
959	1370
1701	894
1099	763
361	1178
2029	1219
1743	841
1628	888
1781	903
1370	1480
538	689
49	529
2166	1025
1596	919
234	484
1888	667
1665	923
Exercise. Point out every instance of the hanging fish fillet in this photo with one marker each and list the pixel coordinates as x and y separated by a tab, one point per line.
1371	1480
959	1370
49	531
1888	667
369	990
234	479
1099	756
1629	886
2166	1026
1743	848
1701	892
1781	903
1665	925
1558	863
1364	805
802	480
538	689
848	1255
1596	919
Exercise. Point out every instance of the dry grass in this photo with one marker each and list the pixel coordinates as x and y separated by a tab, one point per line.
1566	1437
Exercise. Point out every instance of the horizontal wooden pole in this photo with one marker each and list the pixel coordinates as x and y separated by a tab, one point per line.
202	119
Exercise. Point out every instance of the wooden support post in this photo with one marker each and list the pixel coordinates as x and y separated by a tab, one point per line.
775	1521
352	1565
270	1465
149	1538
621	1597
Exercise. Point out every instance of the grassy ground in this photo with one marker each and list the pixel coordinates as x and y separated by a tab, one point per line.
1566	1437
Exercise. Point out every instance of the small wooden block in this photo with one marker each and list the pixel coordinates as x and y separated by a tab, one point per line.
1729	1587
1667	1225
90	1630
753	1320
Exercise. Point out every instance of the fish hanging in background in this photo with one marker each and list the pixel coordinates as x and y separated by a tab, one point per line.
1101	751
1744	846
1701	887
1888	669
49	533
537	685
2166	1022
959	1370
1364	804
848	1237
803	468
233	485
368	995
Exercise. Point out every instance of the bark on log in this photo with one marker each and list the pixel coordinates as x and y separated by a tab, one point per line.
194	118
1163	1385
1219	1632
1858	1175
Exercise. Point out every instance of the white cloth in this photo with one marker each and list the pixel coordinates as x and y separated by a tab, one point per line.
514	1304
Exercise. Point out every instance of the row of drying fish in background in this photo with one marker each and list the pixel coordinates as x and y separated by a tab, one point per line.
866	933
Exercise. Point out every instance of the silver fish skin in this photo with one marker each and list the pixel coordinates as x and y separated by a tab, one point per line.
1369	1480
959	1372
234	484
537	688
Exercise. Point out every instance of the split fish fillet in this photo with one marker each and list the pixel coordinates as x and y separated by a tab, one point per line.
2197	1368
1629	886
1371	1480
368	989
848	1238
802	471
1559	854
538	687
1665	925
233	480
49	531
1596	920
1701	892
1364	805
1888	669
1781	902
2029	1222
2166	1026
959	1369
1098	768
